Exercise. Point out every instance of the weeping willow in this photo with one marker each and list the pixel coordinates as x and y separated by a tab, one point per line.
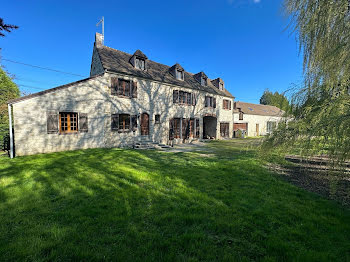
320	113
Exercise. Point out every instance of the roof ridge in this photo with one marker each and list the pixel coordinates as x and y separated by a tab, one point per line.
158	62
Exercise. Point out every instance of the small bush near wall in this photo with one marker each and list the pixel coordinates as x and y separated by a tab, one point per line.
4	137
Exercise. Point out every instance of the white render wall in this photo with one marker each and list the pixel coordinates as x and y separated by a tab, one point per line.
252	120
93	97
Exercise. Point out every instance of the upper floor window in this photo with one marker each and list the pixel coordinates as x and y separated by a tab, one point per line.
226	104
123	87
240	115
203	81
179	74
221	86
181	97
140	63
210	101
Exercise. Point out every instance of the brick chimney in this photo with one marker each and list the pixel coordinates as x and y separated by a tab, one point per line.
98	40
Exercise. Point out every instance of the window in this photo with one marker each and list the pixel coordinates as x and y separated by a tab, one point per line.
157	119
179	75
221	86
140	63
226	104
224	129
197	127
185	98
270	126
203	81
123	122
192	131
174	128
210	101
68	122
240	115
123	87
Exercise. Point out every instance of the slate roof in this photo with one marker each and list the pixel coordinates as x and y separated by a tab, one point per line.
257	109
117	61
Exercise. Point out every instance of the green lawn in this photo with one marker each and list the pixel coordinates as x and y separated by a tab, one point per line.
127	205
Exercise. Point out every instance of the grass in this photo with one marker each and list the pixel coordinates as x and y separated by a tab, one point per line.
113	204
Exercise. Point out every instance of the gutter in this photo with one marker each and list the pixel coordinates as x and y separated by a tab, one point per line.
10	129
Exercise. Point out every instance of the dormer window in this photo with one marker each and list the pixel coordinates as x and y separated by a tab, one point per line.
221	86
139	60
179	74
201	78
140	63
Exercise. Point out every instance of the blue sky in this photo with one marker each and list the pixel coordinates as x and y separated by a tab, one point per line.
242	41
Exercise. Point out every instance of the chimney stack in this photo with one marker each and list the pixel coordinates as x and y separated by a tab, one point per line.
98	40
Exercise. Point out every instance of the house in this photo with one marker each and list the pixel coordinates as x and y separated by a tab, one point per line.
255	119
127	98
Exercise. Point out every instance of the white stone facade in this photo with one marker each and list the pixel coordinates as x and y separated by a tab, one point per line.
254	120
94	98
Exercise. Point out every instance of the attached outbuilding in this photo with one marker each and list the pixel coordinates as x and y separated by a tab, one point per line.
255	119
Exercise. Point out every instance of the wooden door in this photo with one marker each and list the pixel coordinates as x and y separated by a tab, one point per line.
257	129
144	124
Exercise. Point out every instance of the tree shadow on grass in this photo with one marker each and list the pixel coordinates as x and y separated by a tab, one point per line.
113	204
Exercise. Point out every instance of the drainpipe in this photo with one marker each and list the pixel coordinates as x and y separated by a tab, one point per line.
10	129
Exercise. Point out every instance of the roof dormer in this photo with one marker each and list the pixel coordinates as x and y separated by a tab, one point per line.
218	83
139	60
177	71
201	78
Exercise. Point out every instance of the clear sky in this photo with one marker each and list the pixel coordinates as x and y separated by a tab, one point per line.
242	41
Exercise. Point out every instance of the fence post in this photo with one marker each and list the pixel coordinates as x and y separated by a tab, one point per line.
10	130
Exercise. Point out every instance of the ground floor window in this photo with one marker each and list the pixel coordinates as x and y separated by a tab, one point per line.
174	128
68	122
189	128
157	119
197	128
123	122
224	129
270	126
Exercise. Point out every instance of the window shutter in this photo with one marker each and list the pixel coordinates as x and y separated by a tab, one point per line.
206	101
52	122
134	122
230	105
114	122
176	96
83	122
223	104
114	86
214	102
134	89
171	129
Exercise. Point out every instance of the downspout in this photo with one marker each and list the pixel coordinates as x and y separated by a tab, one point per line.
10	130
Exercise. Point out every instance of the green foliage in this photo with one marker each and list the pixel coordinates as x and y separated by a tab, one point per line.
321	108
219	204
8	90
275	99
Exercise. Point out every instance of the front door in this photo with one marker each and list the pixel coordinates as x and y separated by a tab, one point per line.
144	124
